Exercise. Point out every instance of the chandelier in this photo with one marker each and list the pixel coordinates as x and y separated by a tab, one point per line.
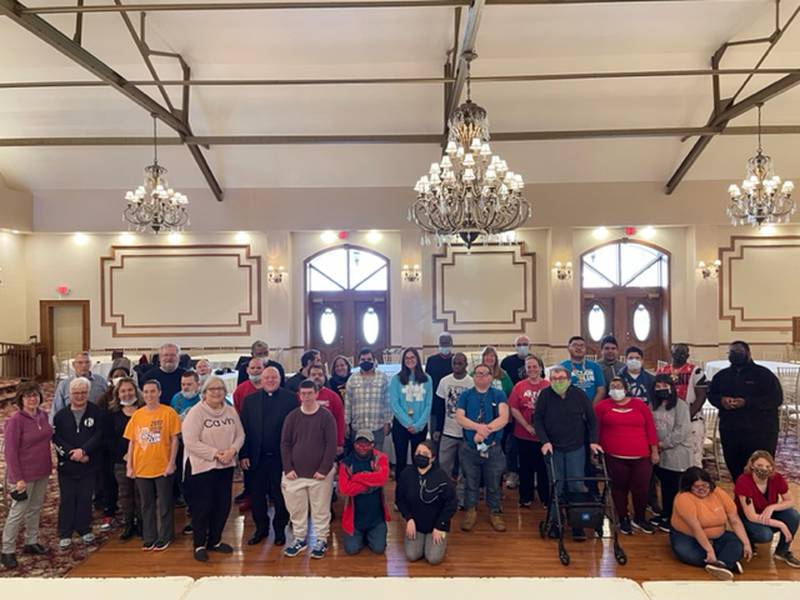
155	206
762	197
470	192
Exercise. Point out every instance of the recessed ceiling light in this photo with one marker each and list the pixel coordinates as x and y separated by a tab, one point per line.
174	237
600	233
768	230
242	237
80	238
373	236
648	233
328	237
126	237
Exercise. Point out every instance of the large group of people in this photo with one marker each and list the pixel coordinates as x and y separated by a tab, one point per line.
141	447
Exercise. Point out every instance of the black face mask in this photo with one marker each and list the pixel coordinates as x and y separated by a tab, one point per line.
737	358
421	461
663	394
680	356
366	365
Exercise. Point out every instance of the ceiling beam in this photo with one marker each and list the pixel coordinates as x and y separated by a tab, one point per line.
405	80
731	109
411	138
57	40
300	5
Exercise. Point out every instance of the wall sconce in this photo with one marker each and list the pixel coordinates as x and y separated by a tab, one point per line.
411	274
562	272
709	271
275	275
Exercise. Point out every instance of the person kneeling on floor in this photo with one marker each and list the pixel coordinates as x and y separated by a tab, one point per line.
426	497
767	506
362	475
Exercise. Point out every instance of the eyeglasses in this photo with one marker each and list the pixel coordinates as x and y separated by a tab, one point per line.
701	487
482	374
216	388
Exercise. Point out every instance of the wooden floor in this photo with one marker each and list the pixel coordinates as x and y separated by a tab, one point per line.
519	552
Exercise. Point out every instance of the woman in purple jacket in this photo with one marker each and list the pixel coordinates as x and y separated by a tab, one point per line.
28	466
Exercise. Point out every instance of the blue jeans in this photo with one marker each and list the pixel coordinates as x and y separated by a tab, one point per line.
473	467
567	465
762	534
727	547
374	539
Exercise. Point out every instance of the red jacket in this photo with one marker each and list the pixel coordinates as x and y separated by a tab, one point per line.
352	484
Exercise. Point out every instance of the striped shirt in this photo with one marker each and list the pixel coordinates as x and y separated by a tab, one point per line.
367	401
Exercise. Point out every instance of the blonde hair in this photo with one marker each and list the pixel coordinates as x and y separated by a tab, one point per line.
756	456
497	372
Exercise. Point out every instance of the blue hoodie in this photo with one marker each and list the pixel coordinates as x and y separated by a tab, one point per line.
411	403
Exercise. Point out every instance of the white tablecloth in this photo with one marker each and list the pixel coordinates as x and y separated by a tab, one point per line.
714	366
230	381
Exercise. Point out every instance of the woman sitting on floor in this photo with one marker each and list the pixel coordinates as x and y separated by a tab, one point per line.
767	506
426	497
699	518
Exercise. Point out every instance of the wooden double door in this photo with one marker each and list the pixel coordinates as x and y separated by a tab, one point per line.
344	322
635	316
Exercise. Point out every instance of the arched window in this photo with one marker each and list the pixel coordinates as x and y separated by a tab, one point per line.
624	293
348	268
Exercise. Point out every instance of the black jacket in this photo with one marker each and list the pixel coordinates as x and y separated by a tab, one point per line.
293	383
241	367
565	422
762	395
262	418
429	499
89	436
438	367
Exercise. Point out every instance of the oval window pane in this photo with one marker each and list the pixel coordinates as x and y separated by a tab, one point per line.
327	326
370	325
641	323
597	323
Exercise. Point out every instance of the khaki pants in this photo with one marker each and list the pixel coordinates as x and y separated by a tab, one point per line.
28	512
302	493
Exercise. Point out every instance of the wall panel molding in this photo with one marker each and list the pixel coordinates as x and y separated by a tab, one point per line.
144	294
752	283
490	289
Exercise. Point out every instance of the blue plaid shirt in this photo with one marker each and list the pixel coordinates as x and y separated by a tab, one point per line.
366	404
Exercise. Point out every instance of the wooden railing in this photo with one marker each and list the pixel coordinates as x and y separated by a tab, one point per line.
22	361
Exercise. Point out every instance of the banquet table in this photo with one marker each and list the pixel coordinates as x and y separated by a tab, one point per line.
714	366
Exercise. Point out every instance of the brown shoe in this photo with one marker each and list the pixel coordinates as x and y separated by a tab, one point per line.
497	521
470	518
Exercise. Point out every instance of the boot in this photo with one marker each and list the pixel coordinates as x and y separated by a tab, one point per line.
128	531
497	521
9	561
470	518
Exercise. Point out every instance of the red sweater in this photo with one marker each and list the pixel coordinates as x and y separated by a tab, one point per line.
242	391
626	431
352	484
331	400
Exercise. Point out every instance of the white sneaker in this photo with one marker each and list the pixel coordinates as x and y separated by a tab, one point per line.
64	543
512	481
720	573
88	538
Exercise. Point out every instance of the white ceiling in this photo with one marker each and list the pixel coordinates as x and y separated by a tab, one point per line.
404	43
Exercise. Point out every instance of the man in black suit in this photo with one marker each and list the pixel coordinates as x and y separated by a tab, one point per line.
259	349
262	417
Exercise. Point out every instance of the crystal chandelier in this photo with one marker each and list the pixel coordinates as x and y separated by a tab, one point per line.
155	205
470	192
762	197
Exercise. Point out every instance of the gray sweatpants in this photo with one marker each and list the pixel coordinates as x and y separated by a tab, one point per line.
422	546
28	512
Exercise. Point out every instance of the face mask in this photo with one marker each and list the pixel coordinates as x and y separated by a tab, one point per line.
522	350
366	365
203	379
560	387
662	394
254	379
421	461
737	358
680	356
761	473
617	394
634	364
129	402
446	350
188	395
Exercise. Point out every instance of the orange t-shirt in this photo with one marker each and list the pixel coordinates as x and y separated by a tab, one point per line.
151	432
712	512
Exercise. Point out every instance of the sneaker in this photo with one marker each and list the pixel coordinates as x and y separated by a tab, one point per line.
625	526
720	573
222	548
9	561
187	529
512	481
106	524
161	546
64	543
88	538
319	549
470	518
655	510
497	521
789	558
643	526
200	554
146	547
739	568
296	548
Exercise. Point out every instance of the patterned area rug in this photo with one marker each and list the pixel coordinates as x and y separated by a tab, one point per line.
58	562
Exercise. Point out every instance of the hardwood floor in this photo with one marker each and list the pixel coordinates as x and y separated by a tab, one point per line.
519	552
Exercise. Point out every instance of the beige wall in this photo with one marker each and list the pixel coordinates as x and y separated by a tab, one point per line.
14	302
